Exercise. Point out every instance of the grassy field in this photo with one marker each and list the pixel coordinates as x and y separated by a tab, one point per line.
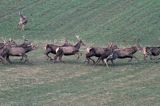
73	83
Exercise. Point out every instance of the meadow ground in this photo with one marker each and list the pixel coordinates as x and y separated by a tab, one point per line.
73	83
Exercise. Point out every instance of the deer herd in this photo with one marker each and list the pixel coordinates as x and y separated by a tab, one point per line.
105	54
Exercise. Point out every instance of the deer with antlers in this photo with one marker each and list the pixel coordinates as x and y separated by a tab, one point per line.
122	53
99	52
51	48
69	50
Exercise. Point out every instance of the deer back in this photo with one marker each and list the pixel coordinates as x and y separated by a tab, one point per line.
68	50
16	51
125	51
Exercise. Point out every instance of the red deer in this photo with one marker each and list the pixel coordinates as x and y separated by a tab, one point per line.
22	21
150	51
10	47
51	48
19	51
123	53
4	49
99	52
69	50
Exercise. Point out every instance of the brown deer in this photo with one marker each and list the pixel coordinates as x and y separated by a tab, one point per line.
150	51
69	50
19	51
123	53
99	52
4	49
22	21
51	48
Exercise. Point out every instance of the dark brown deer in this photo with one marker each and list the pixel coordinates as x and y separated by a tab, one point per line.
123	53
150	51
99	52
69	50
22	21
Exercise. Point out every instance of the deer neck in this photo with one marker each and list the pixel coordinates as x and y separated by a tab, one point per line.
28	49
78	45
134	49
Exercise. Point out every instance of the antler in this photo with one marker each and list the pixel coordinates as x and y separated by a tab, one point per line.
77	36
10	39
110	44
65	40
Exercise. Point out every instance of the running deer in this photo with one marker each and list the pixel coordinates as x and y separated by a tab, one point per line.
150	51
99	52
69	50
51	48
123	53
19	51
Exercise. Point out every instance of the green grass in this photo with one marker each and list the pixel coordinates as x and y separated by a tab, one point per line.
73	83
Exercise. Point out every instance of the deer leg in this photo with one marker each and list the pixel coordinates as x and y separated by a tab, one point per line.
112	61
145	56
2	60
26	58
131	57
98	60
92	60
106	62
48	57
135	58
103	61
60	58
77	56
156	59
22	58
22	28
150	56
87	60
7	58
55	58
18	26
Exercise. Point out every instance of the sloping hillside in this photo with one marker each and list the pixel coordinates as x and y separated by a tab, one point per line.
95	20
74	83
